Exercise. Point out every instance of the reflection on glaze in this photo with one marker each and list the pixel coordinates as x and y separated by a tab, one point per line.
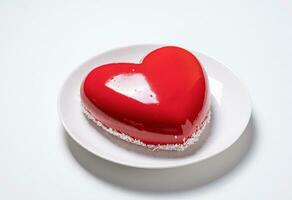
133	85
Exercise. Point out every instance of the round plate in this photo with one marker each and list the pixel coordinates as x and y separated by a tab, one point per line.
231	110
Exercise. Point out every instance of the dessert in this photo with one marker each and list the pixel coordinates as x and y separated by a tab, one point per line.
162	103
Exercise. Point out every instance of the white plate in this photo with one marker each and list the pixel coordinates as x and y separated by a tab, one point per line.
231	110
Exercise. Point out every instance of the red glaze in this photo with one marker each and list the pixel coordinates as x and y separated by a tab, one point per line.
159	101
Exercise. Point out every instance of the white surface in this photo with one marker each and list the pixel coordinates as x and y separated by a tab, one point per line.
230	102
42	42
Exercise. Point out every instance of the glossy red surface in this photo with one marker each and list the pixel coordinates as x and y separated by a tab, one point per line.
159	101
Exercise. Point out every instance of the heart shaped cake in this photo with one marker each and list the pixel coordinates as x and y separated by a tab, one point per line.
162	103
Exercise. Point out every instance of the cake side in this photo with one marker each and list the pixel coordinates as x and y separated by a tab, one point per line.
168	147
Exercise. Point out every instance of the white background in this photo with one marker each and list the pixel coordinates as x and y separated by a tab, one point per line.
42	42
